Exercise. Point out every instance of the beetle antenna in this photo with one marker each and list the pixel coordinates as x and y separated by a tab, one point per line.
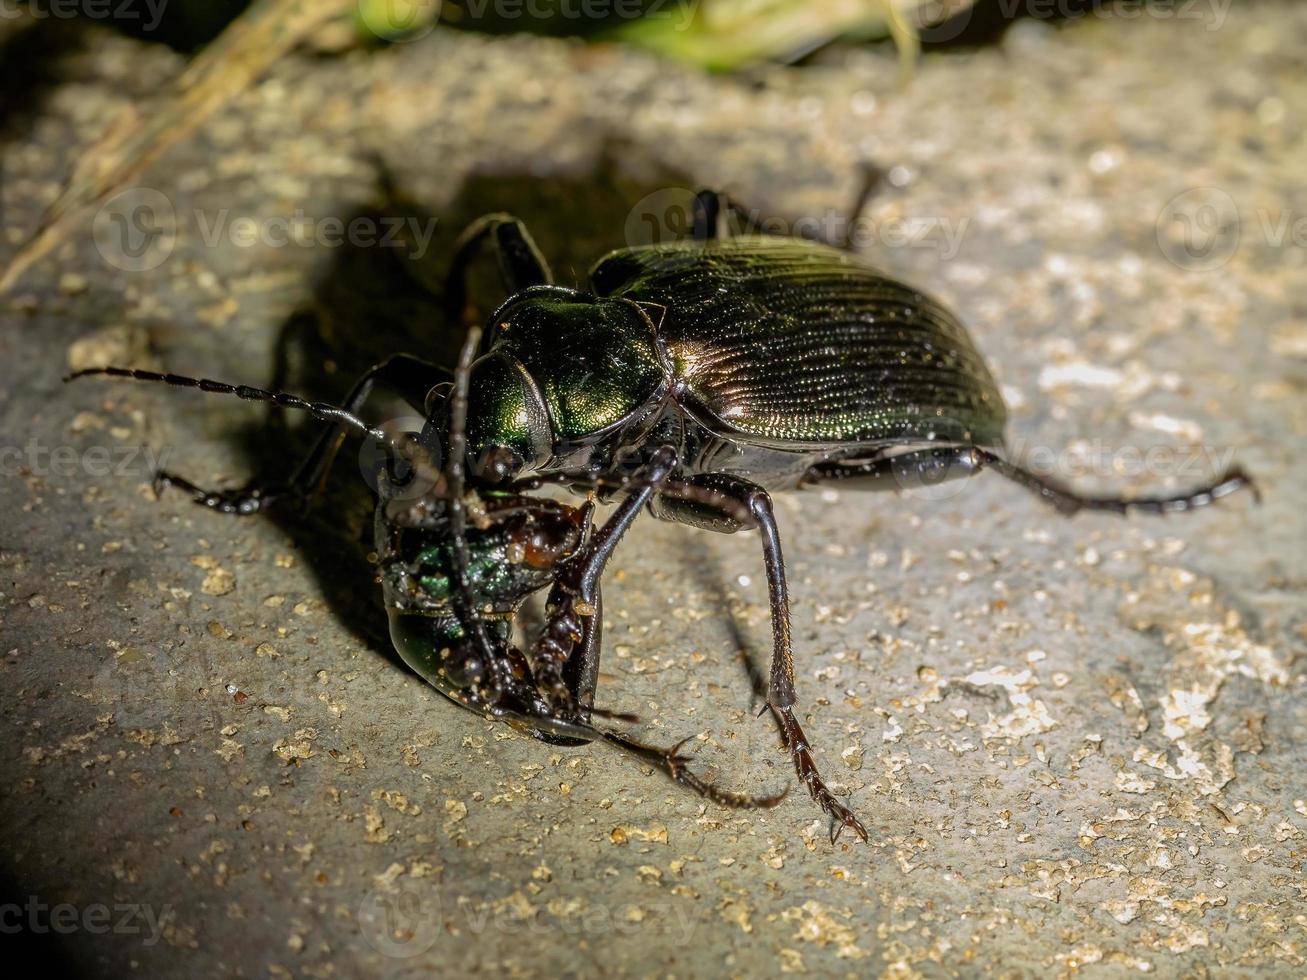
464	605
402	444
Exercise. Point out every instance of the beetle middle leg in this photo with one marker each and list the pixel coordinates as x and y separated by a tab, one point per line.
677	766
521	263
937	464
780	690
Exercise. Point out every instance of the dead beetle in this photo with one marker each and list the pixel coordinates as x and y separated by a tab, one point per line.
456	566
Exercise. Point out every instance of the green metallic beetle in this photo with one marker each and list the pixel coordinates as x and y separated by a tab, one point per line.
759	364
695	378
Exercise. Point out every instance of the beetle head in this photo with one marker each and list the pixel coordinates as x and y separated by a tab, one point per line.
508	428
565	373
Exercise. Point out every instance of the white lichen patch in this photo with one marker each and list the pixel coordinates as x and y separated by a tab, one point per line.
1028	715
1210	646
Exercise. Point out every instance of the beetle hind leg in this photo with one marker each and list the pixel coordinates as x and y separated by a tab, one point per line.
926	467
1068	501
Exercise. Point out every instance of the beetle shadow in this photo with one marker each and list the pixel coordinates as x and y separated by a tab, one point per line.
376	301
710	578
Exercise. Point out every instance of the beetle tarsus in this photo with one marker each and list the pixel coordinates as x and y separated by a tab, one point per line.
560	636
797	742
677	767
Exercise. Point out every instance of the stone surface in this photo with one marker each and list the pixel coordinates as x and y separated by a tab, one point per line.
1078	744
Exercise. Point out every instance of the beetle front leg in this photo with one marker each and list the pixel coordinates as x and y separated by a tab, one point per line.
780	691
574	602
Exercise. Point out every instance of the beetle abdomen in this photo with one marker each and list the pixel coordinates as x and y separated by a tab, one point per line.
788	342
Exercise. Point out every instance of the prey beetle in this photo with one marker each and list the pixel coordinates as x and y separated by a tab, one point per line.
456	567
696	378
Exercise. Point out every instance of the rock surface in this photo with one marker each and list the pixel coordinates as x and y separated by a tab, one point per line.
1078	744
